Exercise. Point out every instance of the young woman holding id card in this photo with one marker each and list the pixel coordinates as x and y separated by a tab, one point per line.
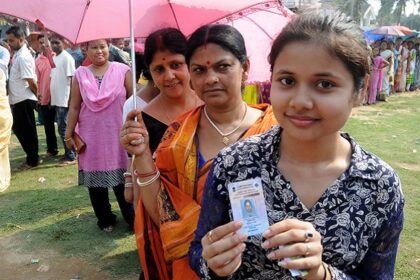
331	210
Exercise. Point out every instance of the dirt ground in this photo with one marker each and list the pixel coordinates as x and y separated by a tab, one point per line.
44	265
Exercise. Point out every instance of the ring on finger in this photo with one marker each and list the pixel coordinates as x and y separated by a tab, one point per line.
137	141
308	249
209	236
308	235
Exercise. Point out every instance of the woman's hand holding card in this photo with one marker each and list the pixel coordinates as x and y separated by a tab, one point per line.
223	247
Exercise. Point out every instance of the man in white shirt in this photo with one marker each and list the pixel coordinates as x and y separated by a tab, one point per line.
4	60
23	92
61	77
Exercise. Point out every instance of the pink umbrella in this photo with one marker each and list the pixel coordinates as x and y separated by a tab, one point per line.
259	25
84	20
405	29
395	30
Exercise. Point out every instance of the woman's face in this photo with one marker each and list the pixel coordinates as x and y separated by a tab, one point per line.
170	73
384	46
98	52
217	75
375	52
312	92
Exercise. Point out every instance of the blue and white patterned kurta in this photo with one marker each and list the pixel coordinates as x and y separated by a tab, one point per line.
360	216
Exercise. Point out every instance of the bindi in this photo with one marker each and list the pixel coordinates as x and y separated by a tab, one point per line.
208	62
163	59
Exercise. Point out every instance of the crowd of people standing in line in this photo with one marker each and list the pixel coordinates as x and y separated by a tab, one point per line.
395	67
171	163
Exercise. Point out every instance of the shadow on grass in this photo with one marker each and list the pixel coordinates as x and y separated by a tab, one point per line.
63	220
18	156
26	208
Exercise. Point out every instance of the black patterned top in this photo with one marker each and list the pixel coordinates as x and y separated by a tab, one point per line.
360	216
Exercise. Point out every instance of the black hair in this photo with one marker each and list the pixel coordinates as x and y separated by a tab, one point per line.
58	37
17	31
341	36
141	67
169	39
225	36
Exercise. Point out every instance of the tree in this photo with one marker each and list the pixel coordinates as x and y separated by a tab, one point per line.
399	8
412	21
392	11
385	13
353	8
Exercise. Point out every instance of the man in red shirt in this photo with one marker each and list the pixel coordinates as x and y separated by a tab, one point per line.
44	63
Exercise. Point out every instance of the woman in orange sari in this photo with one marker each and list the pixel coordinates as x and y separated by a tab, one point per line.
171	186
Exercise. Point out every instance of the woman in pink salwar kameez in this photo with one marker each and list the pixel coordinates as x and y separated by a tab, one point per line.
375	84
97	99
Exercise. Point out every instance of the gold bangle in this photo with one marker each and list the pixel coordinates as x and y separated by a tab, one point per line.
67	139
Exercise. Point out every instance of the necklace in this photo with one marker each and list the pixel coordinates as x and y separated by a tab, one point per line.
225	138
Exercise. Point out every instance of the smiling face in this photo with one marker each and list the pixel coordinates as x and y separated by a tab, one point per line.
98	51
217	75
170	73
312	92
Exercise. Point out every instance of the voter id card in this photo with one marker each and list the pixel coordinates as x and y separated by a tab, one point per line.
248	206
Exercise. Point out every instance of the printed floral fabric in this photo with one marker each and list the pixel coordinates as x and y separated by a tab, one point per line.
360	216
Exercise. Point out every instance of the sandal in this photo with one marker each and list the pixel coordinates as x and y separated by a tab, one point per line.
24	167
108	229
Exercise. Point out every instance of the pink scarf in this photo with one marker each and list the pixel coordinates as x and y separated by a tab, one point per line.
97	99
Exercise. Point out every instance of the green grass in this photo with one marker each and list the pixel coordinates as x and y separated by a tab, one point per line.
57	214
392	131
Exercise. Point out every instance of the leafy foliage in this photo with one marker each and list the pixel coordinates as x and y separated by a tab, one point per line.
412	21
393	11
353	8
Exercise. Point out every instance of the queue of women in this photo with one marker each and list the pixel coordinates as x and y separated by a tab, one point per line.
334	210
395	67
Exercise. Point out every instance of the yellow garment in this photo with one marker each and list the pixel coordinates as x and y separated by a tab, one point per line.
142	81
250	94
5	129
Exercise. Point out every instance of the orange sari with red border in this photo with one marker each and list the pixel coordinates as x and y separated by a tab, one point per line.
163	250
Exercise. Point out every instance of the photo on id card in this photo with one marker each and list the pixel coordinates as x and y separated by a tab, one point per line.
248	206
